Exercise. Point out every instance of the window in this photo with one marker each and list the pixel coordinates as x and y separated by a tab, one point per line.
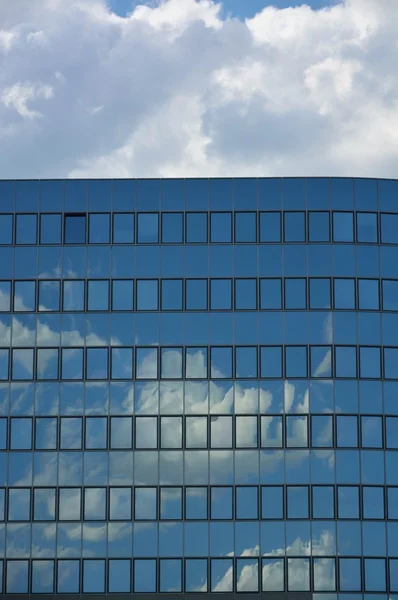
196	294
245	294
272	502
245	362
26	229
297	502
50	229
98	295
271	432
319	228
97	363
346	361
389	228
367	227
245	227
270	294
123	228
99	228
368	294
344	294
73	295
148	228
295	293
171	294
75	229
220	294
294	227
322	502
295	361
122	294
348	502
220	227
369	363
221	362
391	363
172	228
24	296
49	296
147	294
390	294
343	227
296	431
6	229
270	227
196	228
320	294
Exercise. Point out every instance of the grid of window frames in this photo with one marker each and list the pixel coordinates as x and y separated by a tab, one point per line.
199	387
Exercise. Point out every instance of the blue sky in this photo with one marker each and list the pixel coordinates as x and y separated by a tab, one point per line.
237	8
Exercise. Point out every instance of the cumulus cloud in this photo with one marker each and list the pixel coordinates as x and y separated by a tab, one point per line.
177	89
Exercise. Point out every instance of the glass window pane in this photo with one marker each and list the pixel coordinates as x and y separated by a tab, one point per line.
148	228
6	229
99	228
221	363
49	296
319	229
196	227
297	502
22	364
295	293
389	228
26	229
220	227
50	229
145	575
97	363
294	227
24	296
123	228
172	228
122	294
98	295
344	294
245	227
220	294
245	294
320	293
343	227
390	294
75	229
346	361
270	294
171	294
368	294
73	295
270	227
72	363
119	576
369	363
147	294
322	502
196	294
296	361
367	227
93	576
391	363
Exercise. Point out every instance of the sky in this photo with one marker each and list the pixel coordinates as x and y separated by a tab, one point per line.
198	88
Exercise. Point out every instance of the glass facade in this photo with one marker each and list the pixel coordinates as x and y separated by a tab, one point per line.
199	388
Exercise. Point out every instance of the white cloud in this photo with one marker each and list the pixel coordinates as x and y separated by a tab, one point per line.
177	90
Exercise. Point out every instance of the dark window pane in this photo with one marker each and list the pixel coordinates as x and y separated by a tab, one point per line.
75	229
171	294
220	294
122	294
320	293
296	293
6	229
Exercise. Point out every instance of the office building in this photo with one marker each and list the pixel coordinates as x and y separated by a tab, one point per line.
199	388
